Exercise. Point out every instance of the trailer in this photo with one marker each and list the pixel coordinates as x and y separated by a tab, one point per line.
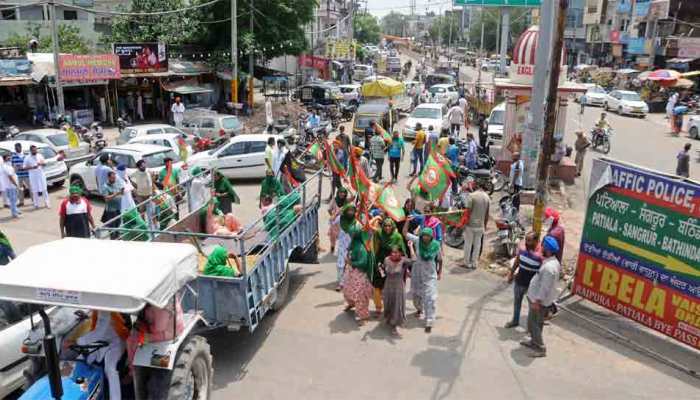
263	249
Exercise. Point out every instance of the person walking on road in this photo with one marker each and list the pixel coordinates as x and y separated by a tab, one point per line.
178	111
377	148
269	153
357	286
541	295
456	118
9	184
478	204
22	175
683	161
394	267
525	266
417	159
555	229
426	271
517	170
112	192
34	163
670	105
465	109
396	153
581	145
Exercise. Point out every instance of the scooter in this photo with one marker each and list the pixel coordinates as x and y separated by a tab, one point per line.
510	232
600	138
7	132
100	141
347	112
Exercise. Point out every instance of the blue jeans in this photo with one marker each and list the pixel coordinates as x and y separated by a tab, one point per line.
417	161
11	196
518	295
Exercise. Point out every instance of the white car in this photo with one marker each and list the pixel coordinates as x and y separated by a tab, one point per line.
83	174
240	157
131	132
55	168
426	114
14	325
58	140
694	127
626	102
166	139
444	93
595	96
495	124
360	71
351	93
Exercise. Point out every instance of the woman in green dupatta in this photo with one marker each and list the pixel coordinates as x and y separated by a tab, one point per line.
385	239
426	271
357	286
270	186
224	193
218	264
6	252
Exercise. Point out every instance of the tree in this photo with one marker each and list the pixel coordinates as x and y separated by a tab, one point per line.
366	28
173	29
394	24
69	40
519	22
440	28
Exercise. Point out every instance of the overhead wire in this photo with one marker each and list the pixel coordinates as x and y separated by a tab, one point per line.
137	14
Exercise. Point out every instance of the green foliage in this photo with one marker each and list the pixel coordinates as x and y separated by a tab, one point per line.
441	29
394	23
173	29
519	22
279	26
69	40
366	29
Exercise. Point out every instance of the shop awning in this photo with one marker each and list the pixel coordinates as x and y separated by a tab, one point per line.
680	60
260	73
188	68
16	80
189	86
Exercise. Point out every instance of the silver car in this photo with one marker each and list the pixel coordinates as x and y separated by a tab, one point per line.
58	140
212	126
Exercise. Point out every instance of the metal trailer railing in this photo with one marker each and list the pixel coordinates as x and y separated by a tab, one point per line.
263	248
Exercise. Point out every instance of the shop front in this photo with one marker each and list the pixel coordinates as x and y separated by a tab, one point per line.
16	86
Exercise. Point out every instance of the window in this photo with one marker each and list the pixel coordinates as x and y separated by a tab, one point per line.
236	149
124	159
257	147
173	130
11	313
59	139
230	123
70	14
8	14
154	131
207	123
156	160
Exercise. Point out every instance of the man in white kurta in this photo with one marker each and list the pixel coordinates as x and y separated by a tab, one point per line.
34	164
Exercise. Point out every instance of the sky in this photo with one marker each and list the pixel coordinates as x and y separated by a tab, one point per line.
381	8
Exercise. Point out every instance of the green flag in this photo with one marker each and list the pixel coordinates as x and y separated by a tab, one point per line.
316	151
336	166
387	201
435	178
457	218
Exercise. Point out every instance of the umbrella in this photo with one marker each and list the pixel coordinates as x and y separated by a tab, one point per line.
383	88
664	75
683	83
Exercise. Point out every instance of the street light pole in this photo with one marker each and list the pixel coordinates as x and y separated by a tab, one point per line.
234	52
251	63
547	150
57	77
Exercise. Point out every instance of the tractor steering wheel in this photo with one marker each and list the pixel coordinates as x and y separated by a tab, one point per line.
87	349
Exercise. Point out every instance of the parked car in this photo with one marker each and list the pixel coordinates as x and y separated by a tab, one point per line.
594	96
351	93
55	168
58	140
212	126
83	174
694	127
148	129
437	79
444	93
166	139
495	124
426	114
377	111
626	102
240	157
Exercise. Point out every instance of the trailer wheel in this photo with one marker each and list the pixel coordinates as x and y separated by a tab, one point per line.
191	376
282	291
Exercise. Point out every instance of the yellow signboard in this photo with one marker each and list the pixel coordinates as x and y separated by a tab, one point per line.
340	49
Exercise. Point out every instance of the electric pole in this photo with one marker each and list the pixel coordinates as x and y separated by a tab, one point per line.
550	117
234	53
505	34
57	76
251	64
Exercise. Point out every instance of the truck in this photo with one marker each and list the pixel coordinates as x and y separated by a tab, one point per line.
263	250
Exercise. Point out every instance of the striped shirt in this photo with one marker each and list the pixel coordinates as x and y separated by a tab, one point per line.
529	263
17	163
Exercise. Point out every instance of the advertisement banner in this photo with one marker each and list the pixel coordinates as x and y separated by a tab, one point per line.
617	50
640	249
689	47
74	67
614	36
15	67
641	8
659	9
636	46
141	58
340	49
624	6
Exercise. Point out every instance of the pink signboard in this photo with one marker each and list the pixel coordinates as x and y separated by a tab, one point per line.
96	67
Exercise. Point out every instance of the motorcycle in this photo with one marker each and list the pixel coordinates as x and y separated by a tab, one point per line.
600	138
488	179
99	137
7	132
454	236
509	231
347	112
122	122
